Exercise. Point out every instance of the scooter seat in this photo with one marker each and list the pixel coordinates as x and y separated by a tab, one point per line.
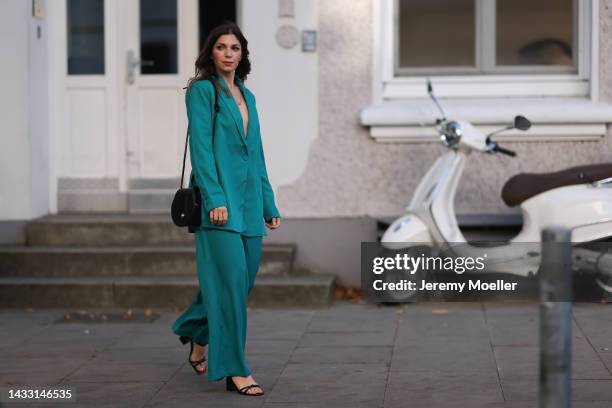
526	185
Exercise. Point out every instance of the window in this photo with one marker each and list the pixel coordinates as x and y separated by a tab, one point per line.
536	33
158	36
212	13
486	36
486	48
85	20
488	61
438	35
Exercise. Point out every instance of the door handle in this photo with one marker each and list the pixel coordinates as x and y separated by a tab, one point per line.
133	63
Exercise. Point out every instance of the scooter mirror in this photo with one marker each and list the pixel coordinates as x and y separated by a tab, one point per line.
433	98
521	123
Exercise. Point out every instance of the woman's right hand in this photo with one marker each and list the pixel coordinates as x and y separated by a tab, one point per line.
218	216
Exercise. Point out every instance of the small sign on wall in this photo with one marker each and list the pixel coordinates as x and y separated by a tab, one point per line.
286	8
309	40
38	9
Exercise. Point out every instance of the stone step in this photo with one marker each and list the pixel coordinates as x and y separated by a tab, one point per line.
136	261
98	260
106	230
150	200
312	290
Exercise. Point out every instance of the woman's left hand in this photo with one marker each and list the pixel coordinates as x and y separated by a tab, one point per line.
274	223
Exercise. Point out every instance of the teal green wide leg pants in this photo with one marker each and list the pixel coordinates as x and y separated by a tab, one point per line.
227	263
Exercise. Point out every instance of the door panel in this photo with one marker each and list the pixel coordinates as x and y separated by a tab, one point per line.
159	122
160	48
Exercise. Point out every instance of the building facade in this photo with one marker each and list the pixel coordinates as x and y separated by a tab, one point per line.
93	116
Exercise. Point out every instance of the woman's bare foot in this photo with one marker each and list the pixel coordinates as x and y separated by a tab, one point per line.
197	353
244	381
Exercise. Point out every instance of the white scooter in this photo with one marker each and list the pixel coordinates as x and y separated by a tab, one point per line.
578	198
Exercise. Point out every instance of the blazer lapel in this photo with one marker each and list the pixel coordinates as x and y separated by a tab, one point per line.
232	107
250	108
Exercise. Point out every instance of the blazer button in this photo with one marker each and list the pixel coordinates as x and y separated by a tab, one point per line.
245	157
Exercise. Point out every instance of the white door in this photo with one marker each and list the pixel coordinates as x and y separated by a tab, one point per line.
160	45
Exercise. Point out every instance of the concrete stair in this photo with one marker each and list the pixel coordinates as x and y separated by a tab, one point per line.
149	200
133	260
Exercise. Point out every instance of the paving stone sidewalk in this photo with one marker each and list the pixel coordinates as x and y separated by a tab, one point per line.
351	355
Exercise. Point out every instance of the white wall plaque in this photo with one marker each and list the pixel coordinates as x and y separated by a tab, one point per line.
287	36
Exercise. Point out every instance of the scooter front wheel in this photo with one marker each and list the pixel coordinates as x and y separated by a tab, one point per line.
605	286
406	295
407	279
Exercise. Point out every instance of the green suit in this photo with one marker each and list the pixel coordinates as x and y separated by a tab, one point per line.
230	170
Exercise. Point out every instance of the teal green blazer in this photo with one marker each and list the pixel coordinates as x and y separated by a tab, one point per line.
229	168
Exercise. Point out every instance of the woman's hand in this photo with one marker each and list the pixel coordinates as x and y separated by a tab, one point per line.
218	216
274	223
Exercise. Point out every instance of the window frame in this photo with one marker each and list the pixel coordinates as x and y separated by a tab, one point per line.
388	85
485	47
104	67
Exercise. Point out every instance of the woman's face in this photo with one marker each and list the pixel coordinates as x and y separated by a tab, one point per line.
227	53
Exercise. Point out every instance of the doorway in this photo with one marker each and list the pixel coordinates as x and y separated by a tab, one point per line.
162	40
121	131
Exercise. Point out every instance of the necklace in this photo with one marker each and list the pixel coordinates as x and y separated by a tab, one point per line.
239	100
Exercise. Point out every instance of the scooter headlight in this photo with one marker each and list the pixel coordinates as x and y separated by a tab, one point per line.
401	224
451	133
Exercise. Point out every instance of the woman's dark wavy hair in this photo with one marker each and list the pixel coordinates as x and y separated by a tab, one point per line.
205	66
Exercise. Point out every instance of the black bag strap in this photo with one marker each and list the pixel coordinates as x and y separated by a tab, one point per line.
187	136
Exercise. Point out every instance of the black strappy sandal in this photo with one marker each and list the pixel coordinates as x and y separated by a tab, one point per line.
196	363
230	385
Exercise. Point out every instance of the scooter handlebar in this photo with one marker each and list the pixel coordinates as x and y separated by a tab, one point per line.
497	148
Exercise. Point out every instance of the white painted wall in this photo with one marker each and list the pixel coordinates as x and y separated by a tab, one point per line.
24	148
15	181
285	84
39	113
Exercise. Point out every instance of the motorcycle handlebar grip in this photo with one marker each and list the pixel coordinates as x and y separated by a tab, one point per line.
505	151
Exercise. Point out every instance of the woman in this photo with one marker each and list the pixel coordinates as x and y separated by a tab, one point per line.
237	199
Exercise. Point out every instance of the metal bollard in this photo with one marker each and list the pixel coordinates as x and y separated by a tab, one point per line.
555	318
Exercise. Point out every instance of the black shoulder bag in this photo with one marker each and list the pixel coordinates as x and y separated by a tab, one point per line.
186	210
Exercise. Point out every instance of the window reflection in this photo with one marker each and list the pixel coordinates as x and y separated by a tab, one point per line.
158	36
437	33
534	32
85	36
